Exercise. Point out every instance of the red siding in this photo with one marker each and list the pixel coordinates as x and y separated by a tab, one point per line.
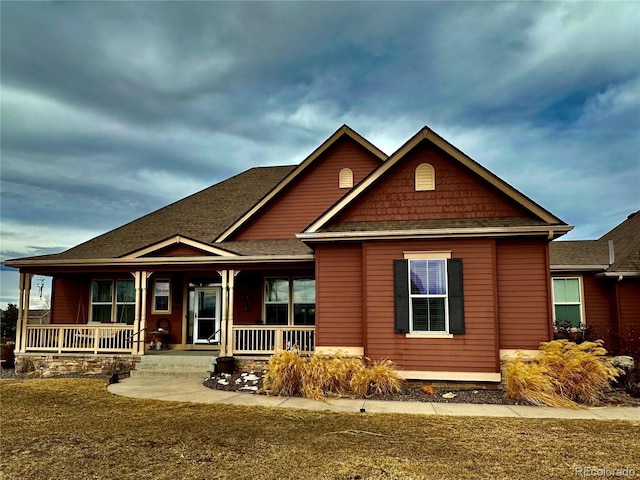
458	194
598	307
475	351
629	310
523	293
311	193
70	299
339	295
178	251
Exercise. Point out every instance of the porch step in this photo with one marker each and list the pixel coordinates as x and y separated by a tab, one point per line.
174	366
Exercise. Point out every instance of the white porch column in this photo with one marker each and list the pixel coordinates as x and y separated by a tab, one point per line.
144	278
231	274
20	343
224	331
25	309
136	315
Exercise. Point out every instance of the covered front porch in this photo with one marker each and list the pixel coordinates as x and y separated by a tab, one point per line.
251	310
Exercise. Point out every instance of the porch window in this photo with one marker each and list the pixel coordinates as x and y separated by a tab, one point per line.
276	301
567	303
107	308
290	301
161	295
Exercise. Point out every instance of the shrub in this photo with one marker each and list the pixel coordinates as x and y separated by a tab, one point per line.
379	378
564	374
284	374
328	375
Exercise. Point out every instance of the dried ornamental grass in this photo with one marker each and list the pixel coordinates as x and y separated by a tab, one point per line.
329	375
380	378
284	374
562	375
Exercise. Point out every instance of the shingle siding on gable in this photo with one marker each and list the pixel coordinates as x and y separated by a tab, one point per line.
311	194
458	194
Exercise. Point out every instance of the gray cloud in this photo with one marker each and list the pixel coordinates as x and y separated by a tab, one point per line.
113	109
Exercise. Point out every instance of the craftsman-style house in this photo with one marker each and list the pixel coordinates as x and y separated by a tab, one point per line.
423	257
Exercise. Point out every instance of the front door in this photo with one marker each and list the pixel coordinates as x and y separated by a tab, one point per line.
206	316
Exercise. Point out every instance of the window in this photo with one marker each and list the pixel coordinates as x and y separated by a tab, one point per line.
425	177
567	305
290	302
346	178
107	308
161	295
428	296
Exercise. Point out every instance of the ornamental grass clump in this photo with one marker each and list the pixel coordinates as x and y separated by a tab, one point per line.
564	374
284	374
380	378
324	376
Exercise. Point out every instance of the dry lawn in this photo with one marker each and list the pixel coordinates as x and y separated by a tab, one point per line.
75	429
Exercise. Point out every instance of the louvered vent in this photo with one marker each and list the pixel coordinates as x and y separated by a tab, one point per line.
346	178
425	177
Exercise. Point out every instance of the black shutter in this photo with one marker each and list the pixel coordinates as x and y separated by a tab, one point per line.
401	295
456	296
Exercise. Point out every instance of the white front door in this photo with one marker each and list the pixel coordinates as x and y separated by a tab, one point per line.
206	315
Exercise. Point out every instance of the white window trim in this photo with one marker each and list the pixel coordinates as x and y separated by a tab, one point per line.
290	303
438	333
153	300
114	299
583	320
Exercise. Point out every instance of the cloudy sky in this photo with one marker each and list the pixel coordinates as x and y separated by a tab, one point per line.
111	110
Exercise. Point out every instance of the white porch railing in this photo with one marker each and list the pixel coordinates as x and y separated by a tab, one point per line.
267	339
79	338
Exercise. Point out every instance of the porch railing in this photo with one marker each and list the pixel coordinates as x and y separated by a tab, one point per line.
79	338
267	339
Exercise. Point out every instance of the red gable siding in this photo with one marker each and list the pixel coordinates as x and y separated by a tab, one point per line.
315	190
458	194
178	251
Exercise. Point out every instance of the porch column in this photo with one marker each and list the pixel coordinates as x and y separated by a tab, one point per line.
144	278
136	315
231	274
23	311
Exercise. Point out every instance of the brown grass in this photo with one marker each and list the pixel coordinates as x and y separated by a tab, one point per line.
75	430
564	374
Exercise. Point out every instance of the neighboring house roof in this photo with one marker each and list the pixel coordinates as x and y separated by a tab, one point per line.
319	228
595	255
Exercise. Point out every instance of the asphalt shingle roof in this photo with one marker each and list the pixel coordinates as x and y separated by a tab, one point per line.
626	246
201	216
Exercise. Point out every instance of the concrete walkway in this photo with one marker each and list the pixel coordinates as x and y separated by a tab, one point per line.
192	390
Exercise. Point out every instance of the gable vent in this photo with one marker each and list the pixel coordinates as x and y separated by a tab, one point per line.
346	178
425	177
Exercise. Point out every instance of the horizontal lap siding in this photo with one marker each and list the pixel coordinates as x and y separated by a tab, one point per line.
597	307
70	300
474	351
339	295
629	294
523	295
311	193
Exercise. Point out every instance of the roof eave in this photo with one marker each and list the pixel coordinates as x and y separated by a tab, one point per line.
578	268
546	231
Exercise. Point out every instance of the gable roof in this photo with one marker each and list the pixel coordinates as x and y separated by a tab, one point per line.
320	225
594	255
344	131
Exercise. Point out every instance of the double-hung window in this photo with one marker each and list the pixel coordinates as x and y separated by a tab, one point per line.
567	303
290	301
428	296
109	306
161	296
